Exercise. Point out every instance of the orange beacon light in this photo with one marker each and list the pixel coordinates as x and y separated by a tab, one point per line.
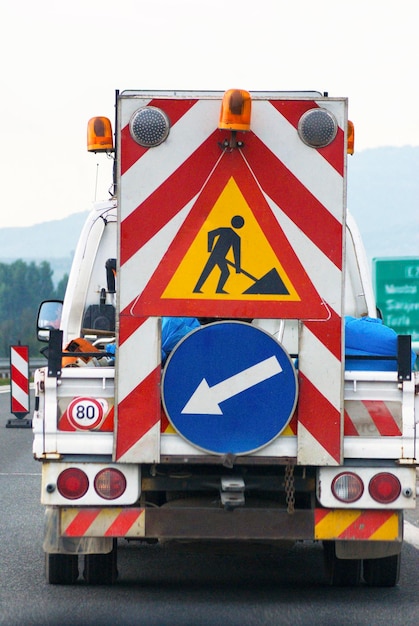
99	135
235	110
351	138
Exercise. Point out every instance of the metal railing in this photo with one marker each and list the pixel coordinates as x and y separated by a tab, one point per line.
33	365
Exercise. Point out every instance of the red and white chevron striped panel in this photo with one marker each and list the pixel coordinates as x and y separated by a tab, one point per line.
303	188
19	379
106	522
373	418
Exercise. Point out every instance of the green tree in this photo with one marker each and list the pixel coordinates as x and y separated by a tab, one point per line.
22	287
61	287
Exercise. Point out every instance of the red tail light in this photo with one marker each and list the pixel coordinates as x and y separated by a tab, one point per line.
72	483
384	488
110	483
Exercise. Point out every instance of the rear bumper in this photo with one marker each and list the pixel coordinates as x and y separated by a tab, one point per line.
240	524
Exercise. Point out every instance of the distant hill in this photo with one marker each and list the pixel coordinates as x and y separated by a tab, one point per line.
383	196
53	241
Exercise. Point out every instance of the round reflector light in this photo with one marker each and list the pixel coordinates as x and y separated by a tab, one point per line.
72	483
317	128
384	487
110	483
149	126
347	487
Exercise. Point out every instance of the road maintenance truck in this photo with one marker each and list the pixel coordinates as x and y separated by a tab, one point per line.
218	370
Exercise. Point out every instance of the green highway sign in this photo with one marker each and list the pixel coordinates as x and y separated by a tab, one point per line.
396	284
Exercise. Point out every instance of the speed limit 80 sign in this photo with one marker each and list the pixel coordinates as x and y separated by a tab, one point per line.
86	413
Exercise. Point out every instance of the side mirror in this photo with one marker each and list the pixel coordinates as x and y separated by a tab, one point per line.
49	318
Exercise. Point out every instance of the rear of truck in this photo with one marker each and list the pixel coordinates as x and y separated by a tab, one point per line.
203	393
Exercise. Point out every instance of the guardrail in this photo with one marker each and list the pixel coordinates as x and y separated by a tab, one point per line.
33	365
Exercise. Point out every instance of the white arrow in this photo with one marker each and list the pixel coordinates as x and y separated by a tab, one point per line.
206	400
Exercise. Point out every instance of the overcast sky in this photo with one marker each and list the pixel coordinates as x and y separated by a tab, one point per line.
63	61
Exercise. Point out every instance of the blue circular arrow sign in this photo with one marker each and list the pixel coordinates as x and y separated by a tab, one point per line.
229	387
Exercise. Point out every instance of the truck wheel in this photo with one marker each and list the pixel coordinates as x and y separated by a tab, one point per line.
340	572
101	569
61	569
383	572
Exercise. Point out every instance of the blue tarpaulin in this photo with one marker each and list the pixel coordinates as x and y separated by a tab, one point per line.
172	331
368	336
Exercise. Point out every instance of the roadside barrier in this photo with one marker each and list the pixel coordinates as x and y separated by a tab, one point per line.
19	387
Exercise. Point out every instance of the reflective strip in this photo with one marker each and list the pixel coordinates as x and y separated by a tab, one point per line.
98	522
373	418
361	525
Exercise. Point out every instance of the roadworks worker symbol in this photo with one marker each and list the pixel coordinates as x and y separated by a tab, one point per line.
231	256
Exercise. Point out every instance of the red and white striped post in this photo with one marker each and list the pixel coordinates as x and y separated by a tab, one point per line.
19	380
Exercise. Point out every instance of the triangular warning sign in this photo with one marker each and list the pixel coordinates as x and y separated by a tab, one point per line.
230	258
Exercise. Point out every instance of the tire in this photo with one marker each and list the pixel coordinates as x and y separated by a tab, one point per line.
61	569
340	572
101	569
383	572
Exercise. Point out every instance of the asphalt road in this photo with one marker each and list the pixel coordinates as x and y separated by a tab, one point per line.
170	586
